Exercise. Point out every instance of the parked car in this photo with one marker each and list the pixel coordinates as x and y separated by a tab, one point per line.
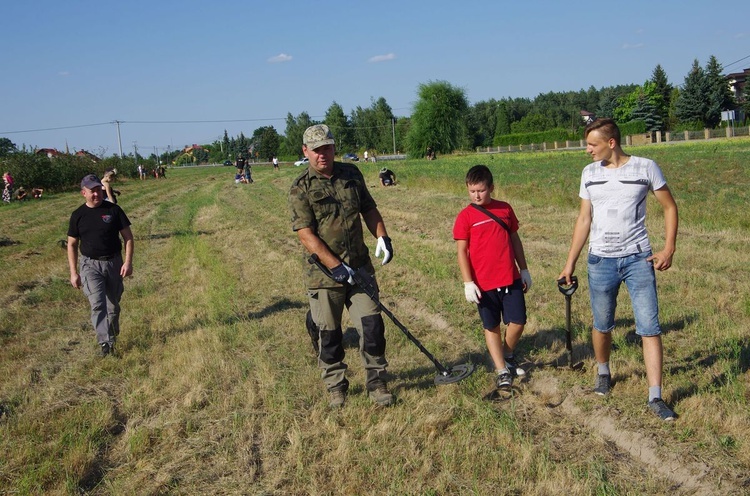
227	162
304	161
351	156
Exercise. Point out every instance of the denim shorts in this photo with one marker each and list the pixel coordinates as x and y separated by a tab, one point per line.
605	277
508	302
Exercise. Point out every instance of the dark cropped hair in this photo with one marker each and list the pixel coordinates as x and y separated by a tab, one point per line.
607	129
479	174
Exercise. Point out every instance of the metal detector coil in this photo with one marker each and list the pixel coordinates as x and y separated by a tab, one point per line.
446	375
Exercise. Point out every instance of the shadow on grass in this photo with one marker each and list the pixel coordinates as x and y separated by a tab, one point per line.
281	305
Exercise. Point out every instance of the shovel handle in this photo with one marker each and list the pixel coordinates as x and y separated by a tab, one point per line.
565	289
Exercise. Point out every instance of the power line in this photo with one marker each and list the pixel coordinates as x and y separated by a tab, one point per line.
737	61
55	128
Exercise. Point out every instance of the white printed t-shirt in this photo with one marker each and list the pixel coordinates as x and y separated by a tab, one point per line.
618	202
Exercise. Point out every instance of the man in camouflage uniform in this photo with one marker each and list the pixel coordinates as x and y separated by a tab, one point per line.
326	202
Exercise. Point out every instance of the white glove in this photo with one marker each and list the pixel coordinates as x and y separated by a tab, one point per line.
526	279
472	293
385	247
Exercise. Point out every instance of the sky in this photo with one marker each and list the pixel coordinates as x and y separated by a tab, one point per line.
173	73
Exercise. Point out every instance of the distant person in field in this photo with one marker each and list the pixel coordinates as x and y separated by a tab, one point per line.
37	192
247	173
110	194
365	156
275	162
239	164
141	172
96	226
387	177
613	195
328	202
7	187
493	268
22	194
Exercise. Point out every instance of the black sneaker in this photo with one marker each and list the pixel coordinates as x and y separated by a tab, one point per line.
512	364
108	349
661	409
504	380
603	384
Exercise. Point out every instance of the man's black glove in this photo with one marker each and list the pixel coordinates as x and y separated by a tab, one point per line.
342	273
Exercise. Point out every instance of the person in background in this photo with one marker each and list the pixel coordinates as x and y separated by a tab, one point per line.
612	216
328	202
494	271
22	194
96	227
275	162
37	192
110	194
387	177
7	187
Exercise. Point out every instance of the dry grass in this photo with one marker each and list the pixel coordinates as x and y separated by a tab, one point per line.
215	389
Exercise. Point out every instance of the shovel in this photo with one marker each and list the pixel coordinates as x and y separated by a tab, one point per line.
568	291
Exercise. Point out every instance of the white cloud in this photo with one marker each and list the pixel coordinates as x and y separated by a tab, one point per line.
63	73
739	36
628	46
382	58
282	57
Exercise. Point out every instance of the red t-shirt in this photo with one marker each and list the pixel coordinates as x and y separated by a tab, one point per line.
491	255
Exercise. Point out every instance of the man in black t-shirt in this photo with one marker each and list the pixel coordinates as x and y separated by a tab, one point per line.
97	226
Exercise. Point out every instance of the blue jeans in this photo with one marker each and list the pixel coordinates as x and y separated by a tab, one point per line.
605	277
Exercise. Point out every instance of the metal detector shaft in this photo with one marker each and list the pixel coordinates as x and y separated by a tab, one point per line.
364	281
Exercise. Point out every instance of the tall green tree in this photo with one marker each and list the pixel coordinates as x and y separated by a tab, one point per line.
225	145
7	147
295	128
502	120
642	104
481	123
265	142
719	96
373	126
438	119
691	106
341	128
663	88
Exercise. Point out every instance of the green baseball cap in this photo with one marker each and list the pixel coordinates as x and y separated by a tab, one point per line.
317	136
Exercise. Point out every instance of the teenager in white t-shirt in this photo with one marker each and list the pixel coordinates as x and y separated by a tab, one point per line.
613	212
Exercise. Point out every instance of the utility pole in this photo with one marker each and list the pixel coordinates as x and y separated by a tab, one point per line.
393	129
119	141
135	150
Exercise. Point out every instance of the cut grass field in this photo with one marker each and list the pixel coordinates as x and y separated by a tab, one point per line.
215	389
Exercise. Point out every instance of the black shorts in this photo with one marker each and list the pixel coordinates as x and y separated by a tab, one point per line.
508	302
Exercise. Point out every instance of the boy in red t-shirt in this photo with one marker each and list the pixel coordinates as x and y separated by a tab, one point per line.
493	267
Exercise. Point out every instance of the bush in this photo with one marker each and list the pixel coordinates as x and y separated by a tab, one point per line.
549	136
631	128
59	173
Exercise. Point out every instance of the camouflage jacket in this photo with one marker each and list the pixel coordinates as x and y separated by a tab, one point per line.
332	208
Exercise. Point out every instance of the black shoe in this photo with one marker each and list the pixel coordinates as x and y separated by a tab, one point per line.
661	409
504	380
513	368
108	349
603	384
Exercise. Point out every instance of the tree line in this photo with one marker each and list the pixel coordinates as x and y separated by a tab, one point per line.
442	119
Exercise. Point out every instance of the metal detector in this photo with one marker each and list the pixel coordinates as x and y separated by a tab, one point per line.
568	291
446	375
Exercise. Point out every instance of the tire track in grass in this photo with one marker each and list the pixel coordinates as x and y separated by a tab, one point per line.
685	477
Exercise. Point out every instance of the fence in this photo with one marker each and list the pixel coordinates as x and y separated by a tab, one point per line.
640	139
